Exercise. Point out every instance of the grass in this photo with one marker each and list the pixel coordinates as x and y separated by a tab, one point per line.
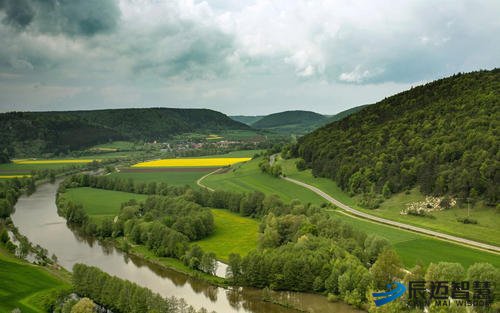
248	177
413	247
23	285
486	230
114	146
233	154
233	234
172	178
99	203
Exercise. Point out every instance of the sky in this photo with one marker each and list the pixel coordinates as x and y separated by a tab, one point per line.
238	57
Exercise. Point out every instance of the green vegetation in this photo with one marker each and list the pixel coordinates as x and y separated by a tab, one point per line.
120	295
248	177
413	247
445	221
26	286
115	145
34	133
290	122
440	136
172	178
235	154
232	234
100	203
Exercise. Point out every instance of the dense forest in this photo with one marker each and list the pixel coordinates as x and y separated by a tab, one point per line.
32	133
441	136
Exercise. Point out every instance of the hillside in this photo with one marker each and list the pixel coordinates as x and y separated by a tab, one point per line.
288	118
38	132
246	119
343	114
442	137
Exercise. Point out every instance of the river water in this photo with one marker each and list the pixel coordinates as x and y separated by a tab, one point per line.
36	217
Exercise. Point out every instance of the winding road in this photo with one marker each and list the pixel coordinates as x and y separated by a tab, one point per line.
377	219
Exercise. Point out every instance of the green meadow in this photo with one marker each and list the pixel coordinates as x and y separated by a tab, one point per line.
248	177
99	203
233	234
413	247
172	178
24	285
486	230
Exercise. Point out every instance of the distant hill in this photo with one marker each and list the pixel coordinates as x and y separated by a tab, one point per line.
39	132
246	119
288	118
441	136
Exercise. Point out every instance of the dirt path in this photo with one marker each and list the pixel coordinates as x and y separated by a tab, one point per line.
467	242
199	183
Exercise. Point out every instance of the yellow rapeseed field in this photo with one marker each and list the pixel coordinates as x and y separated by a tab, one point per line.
201	162
26	161
14	176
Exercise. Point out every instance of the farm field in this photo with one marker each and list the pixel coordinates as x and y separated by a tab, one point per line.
114	146
248	177
26	168
173	178
24	284
192	162
99	203
486	230
233	234
413	247
232	154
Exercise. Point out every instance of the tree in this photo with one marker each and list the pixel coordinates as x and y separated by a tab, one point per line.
375	244
209	263
85	305
484	272
234	267
386	269
444	271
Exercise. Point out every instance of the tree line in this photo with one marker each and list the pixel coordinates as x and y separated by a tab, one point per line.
121	295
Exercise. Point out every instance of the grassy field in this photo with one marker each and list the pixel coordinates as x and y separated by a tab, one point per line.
99	203
22	284
113	146
247	177
486	230
233	234
233	154
172	178
13	167
413	247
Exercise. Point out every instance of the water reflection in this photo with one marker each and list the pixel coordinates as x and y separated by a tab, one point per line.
36	217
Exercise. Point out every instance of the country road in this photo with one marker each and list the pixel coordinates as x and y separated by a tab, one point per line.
377	219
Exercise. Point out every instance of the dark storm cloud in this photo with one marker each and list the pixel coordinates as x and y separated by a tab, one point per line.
73	18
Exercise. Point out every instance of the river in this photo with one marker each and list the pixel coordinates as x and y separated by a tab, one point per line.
36	217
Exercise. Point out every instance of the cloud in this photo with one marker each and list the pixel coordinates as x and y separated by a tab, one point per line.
74	18
250	50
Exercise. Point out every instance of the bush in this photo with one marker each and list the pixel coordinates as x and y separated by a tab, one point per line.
467	220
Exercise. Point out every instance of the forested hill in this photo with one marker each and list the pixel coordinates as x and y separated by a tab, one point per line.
247	119
70	130
442	136
288	118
